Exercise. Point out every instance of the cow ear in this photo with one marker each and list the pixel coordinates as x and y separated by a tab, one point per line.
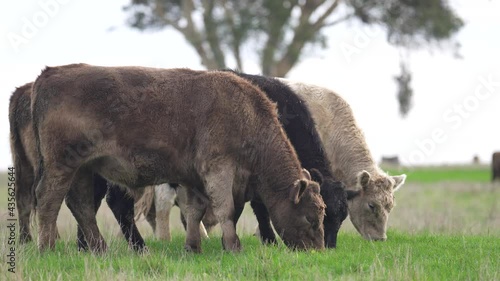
316	176
363	179
297	190
306	174
398	181
351	194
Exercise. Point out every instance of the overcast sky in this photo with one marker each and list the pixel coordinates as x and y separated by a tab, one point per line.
456	105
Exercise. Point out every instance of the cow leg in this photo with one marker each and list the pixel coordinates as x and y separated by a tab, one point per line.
80	201
50	193
238	209
100	189
219	186
183	219
194	210
203	230
331	232
209	220
151	216
180	201
25	202
164	201
122	206
266	232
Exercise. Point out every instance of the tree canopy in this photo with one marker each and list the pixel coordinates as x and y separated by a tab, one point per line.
278	31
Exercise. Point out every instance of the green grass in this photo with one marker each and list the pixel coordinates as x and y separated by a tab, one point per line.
403	257
432	174
440	229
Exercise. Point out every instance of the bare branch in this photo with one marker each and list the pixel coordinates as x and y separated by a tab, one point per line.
235	42
302	33
160	12
274	39
211	34
339	20
319	22
192	34
292	54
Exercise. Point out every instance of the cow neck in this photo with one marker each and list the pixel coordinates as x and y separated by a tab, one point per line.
278	167
349	165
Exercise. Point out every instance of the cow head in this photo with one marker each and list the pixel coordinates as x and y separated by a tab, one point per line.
300	222
371	203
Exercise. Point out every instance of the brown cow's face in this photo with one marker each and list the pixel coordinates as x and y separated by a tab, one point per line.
370	205
301	218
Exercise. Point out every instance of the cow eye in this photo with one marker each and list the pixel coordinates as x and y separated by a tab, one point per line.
304	221
371	206
314	224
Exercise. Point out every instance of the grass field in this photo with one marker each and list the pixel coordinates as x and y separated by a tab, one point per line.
446	226
466	173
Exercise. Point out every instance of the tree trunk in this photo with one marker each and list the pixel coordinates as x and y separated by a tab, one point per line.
495	165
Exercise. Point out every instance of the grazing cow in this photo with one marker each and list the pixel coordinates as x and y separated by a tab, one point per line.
298	124
351	160
495	166
24	155
299	127
22	145
212	132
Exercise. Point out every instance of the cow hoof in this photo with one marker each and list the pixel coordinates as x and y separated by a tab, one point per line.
99	248
82	246
269	240
144	251
164	237
192	249
43	247
25	238
139	248
330	246
99	251
82	249
234	247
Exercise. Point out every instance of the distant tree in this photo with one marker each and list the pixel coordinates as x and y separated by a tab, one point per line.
405	92
495	166
278	30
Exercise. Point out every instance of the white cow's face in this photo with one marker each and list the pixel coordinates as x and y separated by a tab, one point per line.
371	203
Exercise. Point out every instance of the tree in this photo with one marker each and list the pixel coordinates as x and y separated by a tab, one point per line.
405	92
279	30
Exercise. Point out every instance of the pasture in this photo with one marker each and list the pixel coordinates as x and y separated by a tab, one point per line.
445	226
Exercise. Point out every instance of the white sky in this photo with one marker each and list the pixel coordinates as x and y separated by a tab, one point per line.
451	104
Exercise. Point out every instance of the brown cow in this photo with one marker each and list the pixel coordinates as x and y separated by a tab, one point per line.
210	131
24	156
23	148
